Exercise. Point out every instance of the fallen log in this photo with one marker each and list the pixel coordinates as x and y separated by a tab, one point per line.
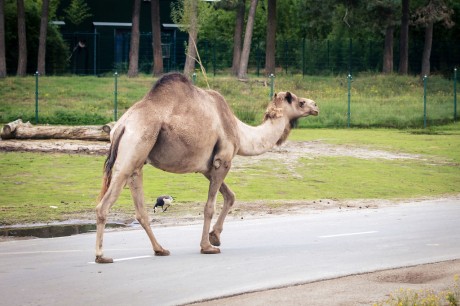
55	146
61	132
20	130
10	128
108	127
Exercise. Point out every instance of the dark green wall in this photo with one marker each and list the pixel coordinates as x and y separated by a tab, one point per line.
108	49
115	11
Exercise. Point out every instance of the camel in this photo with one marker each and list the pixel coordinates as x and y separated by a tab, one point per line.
180	128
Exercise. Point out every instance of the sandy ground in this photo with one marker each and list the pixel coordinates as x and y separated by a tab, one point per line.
364	289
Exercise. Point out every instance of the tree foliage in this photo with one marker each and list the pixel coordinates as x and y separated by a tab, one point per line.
77	12
56	49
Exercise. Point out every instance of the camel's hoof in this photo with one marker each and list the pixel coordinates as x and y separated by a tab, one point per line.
214	239
210	251
162	253
103	260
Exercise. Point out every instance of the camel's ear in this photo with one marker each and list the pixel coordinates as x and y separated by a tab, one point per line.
274	96
288	97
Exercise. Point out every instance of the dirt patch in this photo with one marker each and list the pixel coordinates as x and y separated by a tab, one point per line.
288	152
410	276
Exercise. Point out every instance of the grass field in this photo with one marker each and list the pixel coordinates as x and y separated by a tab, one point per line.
376	100
48	187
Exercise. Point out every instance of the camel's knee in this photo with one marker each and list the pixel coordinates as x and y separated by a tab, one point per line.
229	196
101	214
209	211
141	219
230	199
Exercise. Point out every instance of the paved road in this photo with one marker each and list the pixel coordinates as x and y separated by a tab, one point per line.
256	254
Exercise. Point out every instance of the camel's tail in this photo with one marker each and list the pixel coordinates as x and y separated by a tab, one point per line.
111	158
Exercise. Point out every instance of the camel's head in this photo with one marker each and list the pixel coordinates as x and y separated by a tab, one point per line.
288	104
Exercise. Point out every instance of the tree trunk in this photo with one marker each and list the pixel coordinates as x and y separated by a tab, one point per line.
22	43
192	36
388	50
404	39
2	40
271	38
427	50
42	39
243	70
133	69
156	38
238	35
20	130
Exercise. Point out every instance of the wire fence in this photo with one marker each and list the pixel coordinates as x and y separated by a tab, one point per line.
96	53
61	100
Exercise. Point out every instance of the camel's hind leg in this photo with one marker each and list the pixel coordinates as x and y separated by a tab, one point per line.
229	200
132	153
102	210
137	192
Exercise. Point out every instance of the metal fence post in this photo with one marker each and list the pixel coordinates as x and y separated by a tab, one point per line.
303	57
206	54
272	85
424	101
350	54
36	97
257	59
455	94
286	56
349	78
115	102
214	58
194	78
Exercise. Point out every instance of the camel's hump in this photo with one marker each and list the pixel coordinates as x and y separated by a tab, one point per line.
169	79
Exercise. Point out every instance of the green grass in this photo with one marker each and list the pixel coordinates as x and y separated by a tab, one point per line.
376	100
31	182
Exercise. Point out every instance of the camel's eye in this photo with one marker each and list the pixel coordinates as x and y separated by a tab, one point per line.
302	103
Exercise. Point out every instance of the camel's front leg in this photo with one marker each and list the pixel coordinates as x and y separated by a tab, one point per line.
137	192
206	247
229	200
216	179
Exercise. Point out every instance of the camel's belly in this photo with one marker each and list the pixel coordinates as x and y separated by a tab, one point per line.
179	157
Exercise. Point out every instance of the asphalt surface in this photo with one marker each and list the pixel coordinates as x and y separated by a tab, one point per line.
256	254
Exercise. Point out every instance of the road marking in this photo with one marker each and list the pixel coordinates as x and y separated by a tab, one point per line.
349	234
126	258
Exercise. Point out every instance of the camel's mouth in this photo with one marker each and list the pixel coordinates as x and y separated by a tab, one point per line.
313	113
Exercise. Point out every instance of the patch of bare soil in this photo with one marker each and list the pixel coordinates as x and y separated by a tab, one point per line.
287	152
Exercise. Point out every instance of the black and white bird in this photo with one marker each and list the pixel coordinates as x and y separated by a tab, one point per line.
164	202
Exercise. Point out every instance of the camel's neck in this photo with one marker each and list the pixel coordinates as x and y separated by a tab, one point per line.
259	139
